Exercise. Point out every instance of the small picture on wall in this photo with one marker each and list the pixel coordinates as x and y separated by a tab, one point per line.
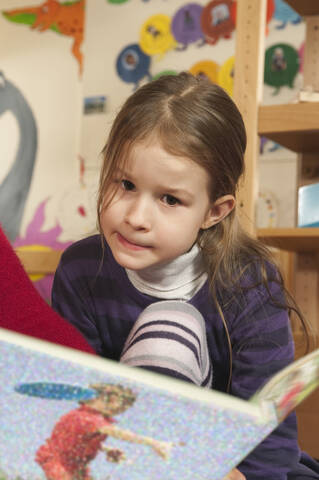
95	104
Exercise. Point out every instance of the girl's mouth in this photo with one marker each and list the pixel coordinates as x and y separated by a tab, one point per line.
132	246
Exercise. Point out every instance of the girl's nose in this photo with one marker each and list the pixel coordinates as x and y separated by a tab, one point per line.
138	214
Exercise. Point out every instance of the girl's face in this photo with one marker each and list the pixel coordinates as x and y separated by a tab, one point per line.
112	405
161	203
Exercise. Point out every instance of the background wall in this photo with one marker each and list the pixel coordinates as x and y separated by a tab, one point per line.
55	114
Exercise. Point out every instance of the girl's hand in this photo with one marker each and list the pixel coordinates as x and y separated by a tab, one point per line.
162	449
235	475
115	455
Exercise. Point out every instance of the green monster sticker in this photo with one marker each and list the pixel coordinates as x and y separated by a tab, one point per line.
281	66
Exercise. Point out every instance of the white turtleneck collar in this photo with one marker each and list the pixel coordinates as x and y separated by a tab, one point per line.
178	279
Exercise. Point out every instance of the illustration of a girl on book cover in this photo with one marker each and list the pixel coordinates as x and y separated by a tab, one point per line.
78	436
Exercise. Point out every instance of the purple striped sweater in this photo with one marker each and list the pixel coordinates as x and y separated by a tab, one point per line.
94	293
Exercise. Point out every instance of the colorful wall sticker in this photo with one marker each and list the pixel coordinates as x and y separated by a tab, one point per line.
14	189
164	72
155	35
36	239
65	18
206	68
186	26
216	20
285	14
226	75
132	65
281	66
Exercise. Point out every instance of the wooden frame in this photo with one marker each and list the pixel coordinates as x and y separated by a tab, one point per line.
295	126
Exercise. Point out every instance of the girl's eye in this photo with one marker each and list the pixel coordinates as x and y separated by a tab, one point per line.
127	185
170	200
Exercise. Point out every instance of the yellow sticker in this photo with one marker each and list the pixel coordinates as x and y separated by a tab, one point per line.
226	75
206	68
155	36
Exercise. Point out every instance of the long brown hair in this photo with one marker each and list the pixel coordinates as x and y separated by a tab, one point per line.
194	118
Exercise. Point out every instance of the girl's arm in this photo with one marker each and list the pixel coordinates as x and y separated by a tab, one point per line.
70	292
263	345
161	448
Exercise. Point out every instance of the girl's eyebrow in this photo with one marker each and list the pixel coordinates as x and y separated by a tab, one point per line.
119	170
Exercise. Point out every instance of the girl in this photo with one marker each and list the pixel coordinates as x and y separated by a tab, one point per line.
169	231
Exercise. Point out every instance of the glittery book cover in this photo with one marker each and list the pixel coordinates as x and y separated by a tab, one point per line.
67	415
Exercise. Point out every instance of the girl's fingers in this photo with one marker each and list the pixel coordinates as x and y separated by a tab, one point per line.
235	475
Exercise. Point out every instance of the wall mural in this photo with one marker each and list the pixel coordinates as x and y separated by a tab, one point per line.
37	239
199	35
15	187
64	18
196	24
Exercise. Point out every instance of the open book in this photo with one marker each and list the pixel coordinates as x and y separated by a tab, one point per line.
168	429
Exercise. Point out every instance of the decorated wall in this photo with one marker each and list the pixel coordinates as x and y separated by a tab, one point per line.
67	66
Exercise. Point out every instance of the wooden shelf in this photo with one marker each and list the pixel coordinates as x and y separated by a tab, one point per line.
305	7
291	239
294	126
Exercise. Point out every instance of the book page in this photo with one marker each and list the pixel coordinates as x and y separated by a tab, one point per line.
291	385
188	437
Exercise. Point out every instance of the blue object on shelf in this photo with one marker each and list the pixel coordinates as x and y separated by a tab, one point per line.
308	205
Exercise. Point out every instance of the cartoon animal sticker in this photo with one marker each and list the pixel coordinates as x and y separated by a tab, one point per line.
155	35
216	20
226	75
132	65
65	18
164	72
206	68
285	14
281	66
186	26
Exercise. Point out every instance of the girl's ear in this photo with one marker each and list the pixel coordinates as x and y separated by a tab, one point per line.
219	210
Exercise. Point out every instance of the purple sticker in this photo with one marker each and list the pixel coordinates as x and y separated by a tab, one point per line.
186	26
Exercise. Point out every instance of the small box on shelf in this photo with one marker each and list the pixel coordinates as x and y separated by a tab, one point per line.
308	205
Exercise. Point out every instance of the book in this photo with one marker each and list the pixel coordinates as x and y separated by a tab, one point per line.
52	417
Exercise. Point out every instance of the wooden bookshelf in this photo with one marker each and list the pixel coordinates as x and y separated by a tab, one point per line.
291	239
305	7
294	126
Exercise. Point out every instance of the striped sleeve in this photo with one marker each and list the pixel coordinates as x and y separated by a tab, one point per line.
169	337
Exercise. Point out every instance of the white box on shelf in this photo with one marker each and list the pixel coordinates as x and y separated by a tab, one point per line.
308	205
